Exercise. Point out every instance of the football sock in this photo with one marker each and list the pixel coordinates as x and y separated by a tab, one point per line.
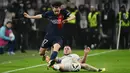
54	55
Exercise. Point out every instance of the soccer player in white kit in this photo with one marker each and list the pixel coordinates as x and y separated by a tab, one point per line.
67	63
72	62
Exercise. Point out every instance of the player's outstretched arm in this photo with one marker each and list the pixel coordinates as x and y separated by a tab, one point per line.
32	17
71	17
86	51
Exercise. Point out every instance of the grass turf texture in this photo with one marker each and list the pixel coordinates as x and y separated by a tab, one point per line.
114	62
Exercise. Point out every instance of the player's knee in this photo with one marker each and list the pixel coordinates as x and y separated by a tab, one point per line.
42	51
56	46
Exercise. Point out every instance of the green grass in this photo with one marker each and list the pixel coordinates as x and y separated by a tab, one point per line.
114	62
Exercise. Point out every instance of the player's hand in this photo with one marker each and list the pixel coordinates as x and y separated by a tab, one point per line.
87	50
47	59
26	15
64	21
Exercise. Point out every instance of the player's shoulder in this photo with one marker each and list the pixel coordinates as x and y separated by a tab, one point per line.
64	11
49	12
74	54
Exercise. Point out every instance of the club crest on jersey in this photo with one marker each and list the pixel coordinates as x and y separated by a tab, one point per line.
60	16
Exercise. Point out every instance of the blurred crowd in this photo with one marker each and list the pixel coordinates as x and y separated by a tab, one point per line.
93	26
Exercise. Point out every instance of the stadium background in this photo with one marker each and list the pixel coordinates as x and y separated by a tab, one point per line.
34	31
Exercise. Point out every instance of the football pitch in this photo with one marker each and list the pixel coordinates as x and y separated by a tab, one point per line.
115	61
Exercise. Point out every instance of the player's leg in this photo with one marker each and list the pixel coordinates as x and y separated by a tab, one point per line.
91	68
56	46
66	67
58	67
43	48
42	53
54	53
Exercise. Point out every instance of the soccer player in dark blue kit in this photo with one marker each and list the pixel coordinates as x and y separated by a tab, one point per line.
57	18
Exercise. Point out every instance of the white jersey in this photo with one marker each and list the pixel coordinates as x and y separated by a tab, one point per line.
74	56
71	62
69	57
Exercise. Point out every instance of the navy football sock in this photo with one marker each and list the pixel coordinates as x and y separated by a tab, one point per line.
54	55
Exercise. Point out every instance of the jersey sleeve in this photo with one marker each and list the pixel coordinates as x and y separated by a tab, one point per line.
76	56
2	34
66	13
46	14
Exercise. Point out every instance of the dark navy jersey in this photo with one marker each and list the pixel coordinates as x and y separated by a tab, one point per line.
55	25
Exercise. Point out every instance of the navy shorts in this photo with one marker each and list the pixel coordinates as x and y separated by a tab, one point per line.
49	41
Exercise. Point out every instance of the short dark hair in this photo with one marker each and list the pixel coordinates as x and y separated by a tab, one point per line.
9	22
56	4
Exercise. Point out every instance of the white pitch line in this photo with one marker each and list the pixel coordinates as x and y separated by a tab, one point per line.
10	71
6	62
24	68
101	53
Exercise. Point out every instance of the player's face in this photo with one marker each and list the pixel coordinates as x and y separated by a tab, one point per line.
67	50
56	10
9	25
